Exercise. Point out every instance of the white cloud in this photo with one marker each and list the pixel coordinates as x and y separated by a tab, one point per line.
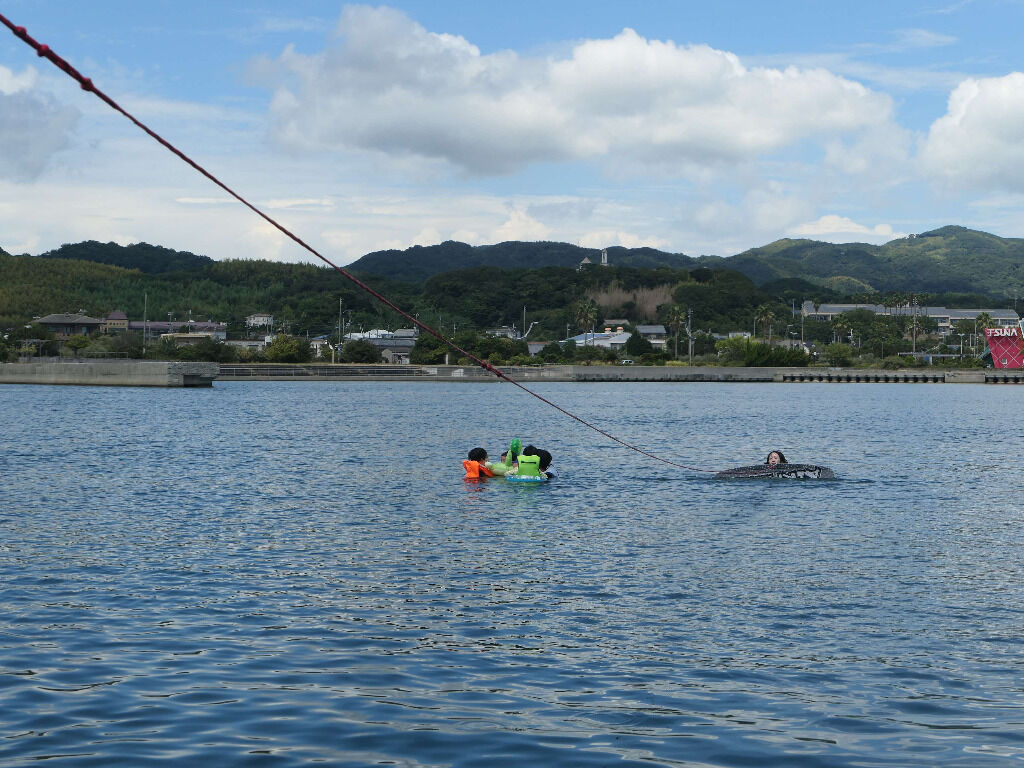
388	85
11	83
427	236
308	203
922	38
204	200
979	142
605	238
33	126
520	226
832	227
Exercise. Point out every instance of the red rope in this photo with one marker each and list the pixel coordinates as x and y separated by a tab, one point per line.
87	85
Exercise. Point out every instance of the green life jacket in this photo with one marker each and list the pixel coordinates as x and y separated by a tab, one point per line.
529	466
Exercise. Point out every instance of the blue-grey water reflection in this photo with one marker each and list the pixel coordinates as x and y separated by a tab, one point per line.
296	573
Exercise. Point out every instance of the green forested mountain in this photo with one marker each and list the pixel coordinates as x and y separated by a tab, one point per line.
141	256
946	259
950	259
943	260
305	298
456	284
420	262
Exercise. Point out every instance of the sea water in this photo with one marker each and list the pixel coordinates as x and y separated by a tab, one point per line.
296	573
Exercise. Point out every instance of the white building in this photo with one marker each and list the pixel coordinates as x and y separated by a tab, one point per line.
612	340
259	319
946	318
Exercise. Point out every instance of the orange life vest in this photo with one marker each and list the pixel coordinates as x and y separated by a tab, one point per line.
475	469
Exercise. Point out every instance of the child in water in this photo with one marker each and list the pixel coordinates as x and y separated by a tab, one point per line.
543	460
476	465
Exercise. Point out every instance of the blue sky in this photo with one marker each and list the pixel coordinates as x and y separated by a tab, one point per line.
691	127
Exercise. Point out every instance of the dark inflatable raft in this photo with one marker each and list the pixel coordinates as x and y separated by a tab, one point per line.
801	471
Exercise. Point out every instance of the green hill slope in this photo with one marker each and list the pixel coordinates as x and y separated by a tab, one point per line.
950	259
151	259
418	263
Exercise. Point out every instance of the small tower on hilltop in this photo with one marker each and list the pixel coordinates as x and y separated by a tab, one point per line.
604	257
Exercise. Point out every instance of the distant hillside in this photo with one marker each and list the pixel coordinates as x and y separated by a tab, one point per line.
950	259
947	259
418	263
150	259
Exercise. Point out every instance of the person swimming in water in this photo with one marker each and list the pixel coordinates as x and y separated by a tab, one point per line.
775	457
544	460
476	465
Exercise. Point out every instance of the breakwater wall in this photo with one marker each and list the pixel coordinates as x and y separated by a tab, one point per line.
112	373
596	373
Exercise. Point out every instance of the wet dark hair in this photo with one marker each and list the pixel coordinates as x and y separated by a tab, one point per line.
477	454
782	457
545	457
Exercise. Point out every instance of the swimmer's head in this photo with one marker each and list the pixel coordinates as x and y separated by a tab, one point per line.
478	454
775	457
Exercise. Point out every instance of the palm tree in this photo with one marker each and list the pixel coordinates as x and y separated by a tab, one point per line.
840	325
585	313
983	320
765	317
675	319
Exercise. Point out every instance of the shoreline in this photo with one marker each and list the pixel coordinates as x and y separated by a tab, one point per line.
610	373
153	373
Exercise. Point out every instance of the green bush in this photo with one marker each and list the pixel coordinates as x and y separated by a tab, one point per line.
838	355
288	349
360	351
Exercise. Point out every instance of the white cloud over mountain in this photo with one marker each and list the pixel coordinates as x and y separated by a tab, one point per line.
387	84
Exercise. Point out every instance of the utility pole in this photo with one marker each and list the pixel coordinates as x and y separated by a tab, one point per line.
341	336
914	322
145	325
689	334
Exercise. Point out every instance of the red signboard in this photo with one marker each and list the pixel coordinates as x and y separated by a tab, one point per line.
1006	346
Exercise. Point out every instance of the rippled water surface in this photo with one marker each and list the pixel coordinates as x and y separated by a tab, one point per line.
287	574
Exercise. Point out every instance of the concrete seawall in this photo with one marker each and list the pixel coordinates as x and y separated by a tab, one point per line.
597	373
113	373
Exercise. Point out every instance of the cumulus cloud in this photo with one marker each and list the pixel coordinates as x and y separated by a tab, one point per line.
979	142
33	126
386	84
609	237
832	226
520	226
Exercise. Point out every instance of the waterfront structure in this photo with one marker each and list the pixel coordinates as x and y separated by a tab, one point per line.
115	322
656	334
608	340
945	317
218	331
1006	346
65	325
249	345
186	339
